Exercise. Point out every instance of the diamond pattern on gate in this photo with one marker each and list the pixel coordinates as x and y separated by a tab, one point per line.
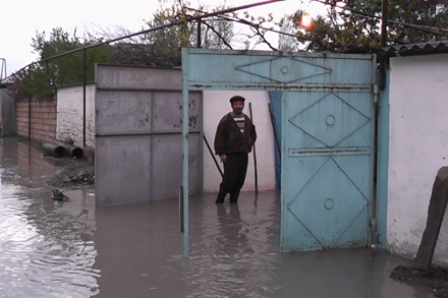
330	120
328	193
284	70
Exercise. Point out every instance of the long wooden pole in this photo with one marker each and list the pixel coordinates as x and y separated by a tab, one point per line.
255	154
213	156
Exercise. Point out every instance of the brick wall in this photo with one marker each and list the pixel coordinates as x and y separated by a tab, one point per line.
43	118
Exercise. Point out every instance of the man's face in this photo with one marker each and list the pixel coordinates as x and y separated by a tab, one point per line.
237	107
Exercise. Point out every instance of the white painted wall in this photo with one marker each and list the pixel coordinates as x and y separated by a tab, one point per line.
70	115
418	148
216	105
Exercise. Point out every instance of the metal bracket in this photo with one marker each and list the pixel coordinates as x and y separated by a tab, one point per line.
375	93
373	224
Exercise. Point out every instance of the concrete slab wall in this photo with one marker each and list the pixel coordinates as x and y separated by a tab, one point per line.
216	105
418	148
138	135
8	114
70	115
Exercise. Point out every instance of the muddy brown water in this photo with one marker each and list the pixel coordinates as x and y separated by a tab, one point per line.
73	249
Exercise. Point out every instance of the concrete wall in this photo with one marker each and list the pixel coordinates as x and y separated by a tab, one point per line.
138	129
70	115
36	119
8	120
418	148
216	105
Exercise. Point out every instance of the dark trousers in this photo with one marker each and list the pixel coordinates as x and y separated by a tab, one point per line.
235	169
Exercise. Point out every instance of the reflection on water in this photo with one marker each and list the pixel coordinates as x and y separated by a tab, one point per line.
72	249
235	248
46	247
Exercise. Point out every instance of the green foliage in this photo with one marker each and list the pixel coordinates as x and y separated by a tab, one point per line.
357	28
158	48
42	79
432	13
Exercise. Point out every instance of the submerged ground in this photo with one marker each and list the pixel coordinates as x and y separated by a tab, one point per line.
71	248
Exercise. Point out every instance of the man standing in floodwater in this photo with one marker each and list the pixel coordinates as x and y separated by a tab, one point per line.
234	139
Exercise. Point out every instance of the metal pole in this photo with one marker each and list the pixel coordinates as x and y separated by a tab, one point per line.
199	34
84	98
384	5
382	84
185	164
3	69
255	154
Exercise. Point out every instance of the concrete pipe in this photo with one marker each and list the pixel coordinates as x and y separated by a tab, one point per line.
72	151
53	149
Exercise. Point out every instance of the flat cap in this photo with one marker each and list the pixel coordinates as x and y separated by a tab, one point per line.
237	98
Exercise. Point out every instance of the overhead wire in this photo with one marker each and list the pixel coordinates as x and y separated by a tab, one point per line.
246	22
428	29
227	10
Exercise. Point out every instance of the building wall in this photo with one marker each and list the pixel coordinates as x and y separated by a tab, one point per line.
70	115
7	106
216	105
418	148
37	119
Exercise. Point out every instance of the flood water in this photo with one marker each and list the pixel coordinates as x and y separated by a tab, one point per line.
74	249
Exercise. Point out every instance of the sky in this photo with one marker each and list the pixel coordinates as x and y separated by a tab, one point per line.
21	19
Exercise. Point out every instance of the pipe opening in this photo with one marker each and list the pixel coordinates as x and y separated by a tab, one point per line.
77	152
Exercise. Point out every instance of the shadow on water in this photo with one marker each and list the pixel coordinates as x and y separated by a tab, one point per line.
72	249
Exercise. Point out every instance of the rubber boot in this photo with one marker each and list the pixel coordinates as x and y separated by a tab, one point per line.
220	198
234	197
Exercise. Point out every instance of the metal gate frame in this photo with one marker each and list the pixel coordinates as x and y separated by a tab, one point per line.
194	79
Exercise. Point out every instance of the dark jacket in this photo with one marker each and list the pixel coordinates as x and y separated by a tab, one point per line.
229	139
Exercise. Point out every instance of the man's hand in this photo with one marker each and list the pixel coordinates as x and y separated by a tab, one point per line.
223	158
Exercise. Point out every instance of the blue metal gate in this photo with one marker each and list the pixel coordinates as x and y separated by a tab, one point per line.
327	137
327	168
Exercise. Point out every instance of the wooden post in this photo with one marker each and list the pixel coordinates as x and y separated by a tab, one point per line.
255	154
436	211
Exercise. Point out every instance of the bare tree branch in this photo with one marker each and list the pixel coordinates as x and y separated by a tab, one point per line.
218	34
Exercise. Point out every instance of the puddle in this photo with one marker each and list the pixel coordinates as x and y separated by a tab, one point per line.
73	249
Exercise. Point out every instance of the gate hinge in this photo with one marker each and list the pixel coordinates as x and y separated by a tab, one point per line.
373	224
375	93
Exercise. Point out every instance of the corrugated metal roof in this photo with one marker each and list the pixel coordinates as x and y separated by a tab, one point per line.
5	81
416	49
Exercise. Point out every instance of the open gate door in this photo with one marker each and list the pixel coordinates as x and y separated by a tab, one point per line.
327	137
